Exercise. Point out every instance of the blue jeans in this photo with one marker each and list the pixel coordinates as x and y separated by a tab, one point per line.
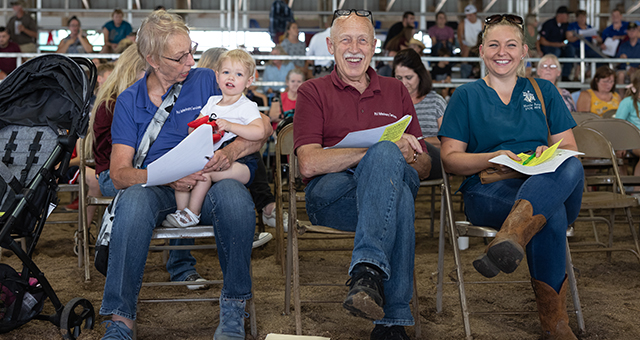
106	184
180	263
557	196
377	202
228	207
562	52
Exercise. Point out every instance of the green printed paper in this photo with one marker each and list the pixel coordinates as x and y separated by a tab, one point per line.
394	132
547	154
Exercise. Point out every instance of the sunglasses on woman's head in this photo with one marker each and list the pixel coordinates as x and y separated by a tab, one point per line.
496	18
346	12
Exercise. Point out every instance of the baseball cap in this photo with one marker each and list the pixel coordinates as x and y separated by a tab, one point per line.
562	10
632	25
18	3
470	9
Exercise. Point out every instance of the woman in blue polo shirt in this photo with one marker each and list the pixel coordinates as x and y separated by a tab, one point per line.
502	115
164	43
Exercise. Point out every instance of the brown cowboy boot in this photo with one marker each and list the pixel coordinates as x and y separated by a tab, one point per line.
552	308
506	251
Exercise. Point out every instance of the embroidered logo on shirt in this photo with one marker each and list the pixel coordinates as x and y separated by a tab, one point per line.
528	97
190	108
385	114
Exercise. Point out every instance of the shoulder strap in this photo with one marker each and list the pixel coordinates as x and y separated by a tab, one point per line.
154	127
534	83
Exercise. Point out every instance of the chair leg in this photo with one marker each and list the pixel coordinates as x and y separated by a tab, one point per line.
573	288
443	209
253	322
633	232
288	269
296	279
458	263
432	212
416	307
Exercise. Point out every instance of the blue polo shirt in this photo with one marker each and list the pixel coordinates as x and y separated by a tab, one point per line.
632	52
554	32
610	32
134	110
576	29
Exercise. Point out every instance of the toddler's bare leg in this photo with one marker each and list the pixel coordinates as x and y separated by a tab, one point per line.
182	199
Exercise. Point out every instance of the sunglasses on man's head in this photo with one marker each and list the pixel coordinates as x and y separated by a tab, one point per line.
346	12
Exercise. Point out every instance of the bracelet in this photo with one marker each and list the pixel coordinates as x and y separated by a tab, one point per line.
415	157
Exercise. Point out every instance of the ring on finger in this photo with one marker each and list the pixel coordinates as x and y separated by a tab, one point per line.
189	187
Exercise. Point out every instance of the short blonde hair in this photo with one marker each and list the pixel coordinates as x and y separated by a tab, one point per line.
552	58
210	57
155	32
295	71
520	71
238	56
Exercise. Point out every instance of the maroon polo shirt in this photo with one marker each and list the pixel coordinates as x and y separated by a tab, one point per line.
327	109
9	64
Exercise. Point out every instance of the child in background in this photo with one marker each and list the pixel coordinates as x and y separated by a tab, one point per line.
441	71
237	116
629	110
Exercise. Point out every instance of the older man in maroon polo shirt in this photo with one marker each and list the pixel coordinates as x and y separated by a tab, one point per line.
367	190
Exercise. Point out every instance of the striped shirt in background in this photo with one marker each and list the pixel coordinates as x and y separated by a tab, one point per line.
428	111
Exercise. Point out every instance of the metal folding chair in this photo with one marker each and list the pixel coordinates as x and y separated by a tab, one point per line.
463	228
594	145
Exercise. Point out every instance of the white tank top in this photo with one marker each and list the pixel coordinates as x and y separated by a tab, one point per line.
471	31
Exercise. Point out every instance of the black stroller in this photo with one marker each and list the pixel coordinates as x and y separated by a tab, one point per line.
44	109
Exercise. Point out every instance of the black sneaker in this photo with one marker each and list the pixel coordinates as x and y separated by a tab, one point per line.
382	332
366	293
195	277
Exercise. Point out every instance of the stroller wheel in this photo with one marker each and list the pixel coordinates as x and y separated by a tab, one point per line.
77	314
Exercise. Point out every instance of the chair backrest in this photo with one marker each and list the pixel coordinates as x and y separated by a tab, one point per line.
580	117
609	114
595	145
621	134
284	147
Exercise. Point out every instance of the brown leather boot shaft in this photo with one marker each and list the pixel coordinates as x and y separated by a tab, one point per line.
552	308
520	226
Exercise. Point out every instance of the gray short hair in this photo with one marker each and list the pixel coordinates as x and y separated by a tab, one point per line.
156	30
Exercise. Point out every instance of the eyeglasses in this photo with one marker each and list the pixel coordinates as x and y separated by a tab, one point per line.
552	66
496	18
346	12
183	58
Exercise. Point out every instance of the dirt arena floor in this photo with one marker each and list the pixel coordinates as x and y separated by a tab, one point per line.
609	291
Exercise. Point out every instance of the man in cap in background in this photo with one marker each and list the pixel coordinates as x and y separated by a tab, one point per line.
468	31
22	28
554	39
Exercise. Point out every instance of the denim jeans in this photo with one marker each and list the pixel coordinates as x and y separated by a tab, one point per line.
557	196
106	184
565	52
228	207
180	263
377	202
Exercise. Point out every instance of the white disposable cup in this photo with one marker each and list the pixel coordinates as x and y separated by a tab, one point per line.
463	242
